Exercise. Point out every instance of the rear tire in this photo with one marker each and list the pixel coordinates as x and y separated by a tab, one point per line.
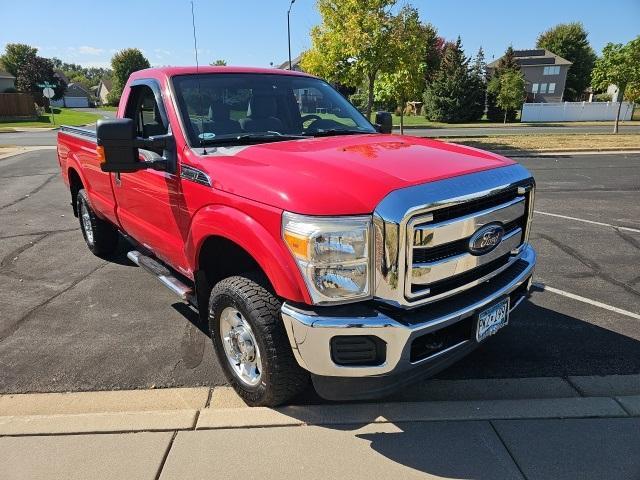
101	236
242	312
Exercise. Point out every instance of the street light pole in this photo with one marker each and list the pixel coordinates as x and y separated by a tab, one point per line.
289	31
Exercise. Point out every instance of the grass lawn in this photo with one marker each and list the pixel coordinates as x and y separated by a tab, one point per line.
108	108
552	142
63	116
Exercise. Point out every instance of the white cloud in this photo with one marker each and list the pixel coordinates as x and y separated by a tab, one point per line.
87	50
161	54
97	64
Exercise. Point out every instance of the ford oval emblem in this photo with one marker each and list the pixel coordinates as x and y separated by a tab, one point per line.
486	239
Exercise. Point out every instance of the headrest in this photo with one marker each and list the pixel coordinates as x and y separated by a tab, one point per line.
219	111
262	106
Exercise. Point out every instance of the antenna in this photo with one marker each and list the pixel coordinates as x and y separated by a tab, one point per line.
195	48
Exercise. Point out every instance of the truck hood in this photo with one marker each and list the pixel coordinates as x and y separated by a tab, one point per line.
341	175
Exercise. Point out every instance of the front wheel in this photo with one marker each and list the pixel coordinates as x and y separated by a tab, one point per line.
251	343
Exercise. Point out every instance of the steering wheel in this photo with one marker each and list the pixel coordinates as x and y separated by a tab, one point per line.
306	118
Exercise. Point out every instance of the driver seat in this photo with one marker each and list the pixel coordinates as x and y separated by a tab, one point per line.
261	115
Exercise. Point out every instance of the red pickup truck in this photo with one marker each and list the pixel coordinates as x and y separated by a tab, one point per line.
314	244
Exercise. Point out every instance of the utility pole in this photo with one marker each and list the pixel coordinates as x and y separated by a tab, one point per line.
289	30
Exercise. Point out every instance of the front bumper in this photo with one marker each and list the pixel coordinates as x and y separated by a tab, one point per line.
310	331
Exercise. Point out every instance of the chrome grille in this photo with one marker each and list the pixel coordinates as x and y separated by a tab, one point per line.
422	234
437	244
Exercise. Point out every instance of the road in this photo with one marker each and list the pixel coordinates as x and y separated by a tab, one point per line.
44	137
74	322
48	137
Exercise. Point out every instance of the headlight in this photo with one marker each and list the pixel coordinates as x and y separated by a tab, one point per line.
333	254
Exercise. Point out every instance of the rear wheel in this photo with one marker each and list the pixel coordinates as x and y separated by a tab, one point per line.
101	237
251	343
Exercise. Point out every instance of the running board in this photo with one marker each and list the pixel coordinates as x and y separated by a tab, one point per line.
163	274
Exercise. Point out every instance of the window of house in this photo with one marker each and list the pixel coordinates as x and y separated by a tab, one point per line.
543	88
552	88
534	88
555	70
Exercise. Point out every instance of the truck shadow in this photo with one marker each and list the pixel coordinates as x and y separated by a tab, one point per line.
539	342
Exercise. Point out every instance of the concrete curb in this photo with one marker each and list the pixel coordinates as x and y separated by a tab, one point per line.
13	151
220	408
319	415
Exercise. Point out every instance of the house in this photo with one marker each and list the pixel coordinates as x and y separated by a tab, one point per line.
7	81
104	87
545	74
295	63
614	92
76	96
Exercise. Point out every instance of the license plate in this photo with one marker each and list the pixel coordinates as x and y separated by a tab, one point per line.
492	319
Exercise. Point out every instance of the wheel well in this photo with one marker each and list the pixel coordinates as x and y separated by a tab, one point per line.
221	258
75	185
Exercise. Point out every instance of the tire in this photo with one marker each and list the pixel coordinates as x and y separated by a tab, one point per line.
257	313
101	237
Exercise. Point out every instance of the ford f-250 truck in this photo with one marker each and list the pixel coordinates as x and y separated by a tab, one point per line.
314	244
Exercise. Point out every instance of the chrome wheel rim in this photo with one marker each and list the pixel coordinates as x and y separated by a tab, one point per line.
86	223
240	347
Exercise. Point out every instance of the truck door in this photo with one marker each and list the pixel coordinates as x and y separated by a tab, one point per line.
150	202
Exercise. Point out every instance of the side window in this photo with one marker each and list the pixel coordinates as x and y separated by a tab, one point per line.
143	109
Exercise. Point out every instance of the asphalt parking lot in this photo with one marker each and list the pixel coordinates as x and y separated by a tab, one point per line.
73	322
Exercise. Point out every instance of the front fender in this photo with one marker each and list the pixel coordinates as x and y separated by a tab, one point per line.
260	239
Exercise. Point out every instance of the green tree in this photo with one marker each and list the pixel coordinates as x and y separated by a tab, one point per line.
509	91
219	63
351	43
37	70
454	94
15	55
569	40
433	50
87	76
405	81
123	64
620	66
507	63
478	89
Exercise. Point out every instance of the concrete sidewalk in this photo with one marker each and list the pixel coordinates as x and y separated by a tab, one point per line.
591	429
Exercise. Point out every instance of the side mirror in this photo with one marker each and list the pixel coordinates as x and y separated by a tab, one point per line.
118	148
384	123
117	140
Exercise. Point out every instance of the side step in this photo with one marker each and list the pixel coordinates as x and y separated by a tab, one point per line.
163	274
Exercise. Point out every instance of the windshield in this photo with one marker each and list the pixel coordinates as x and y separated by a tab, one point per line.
229	108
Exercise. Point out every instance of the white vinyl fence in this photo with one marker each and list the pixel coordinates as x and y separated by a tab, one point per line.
575	111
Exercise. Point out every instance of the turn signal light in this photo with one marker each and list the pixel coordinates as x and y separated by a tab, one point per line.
298	244
100	153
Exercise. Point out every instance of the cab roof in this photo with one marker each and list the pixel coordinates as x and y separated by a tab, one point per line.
192	70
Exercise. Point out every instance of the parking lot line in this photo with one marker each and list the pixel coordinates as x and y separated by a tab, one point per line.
557	291
628	229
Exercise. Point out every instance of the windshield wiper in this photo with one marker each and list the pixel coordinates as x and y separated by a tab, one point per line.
338	131
246	138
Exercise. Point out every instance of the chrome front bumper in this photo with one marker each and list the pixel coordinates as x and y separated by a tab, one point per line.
310	332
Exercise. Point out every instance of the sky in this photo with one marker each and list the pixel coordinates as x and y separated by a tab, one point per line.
254	32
